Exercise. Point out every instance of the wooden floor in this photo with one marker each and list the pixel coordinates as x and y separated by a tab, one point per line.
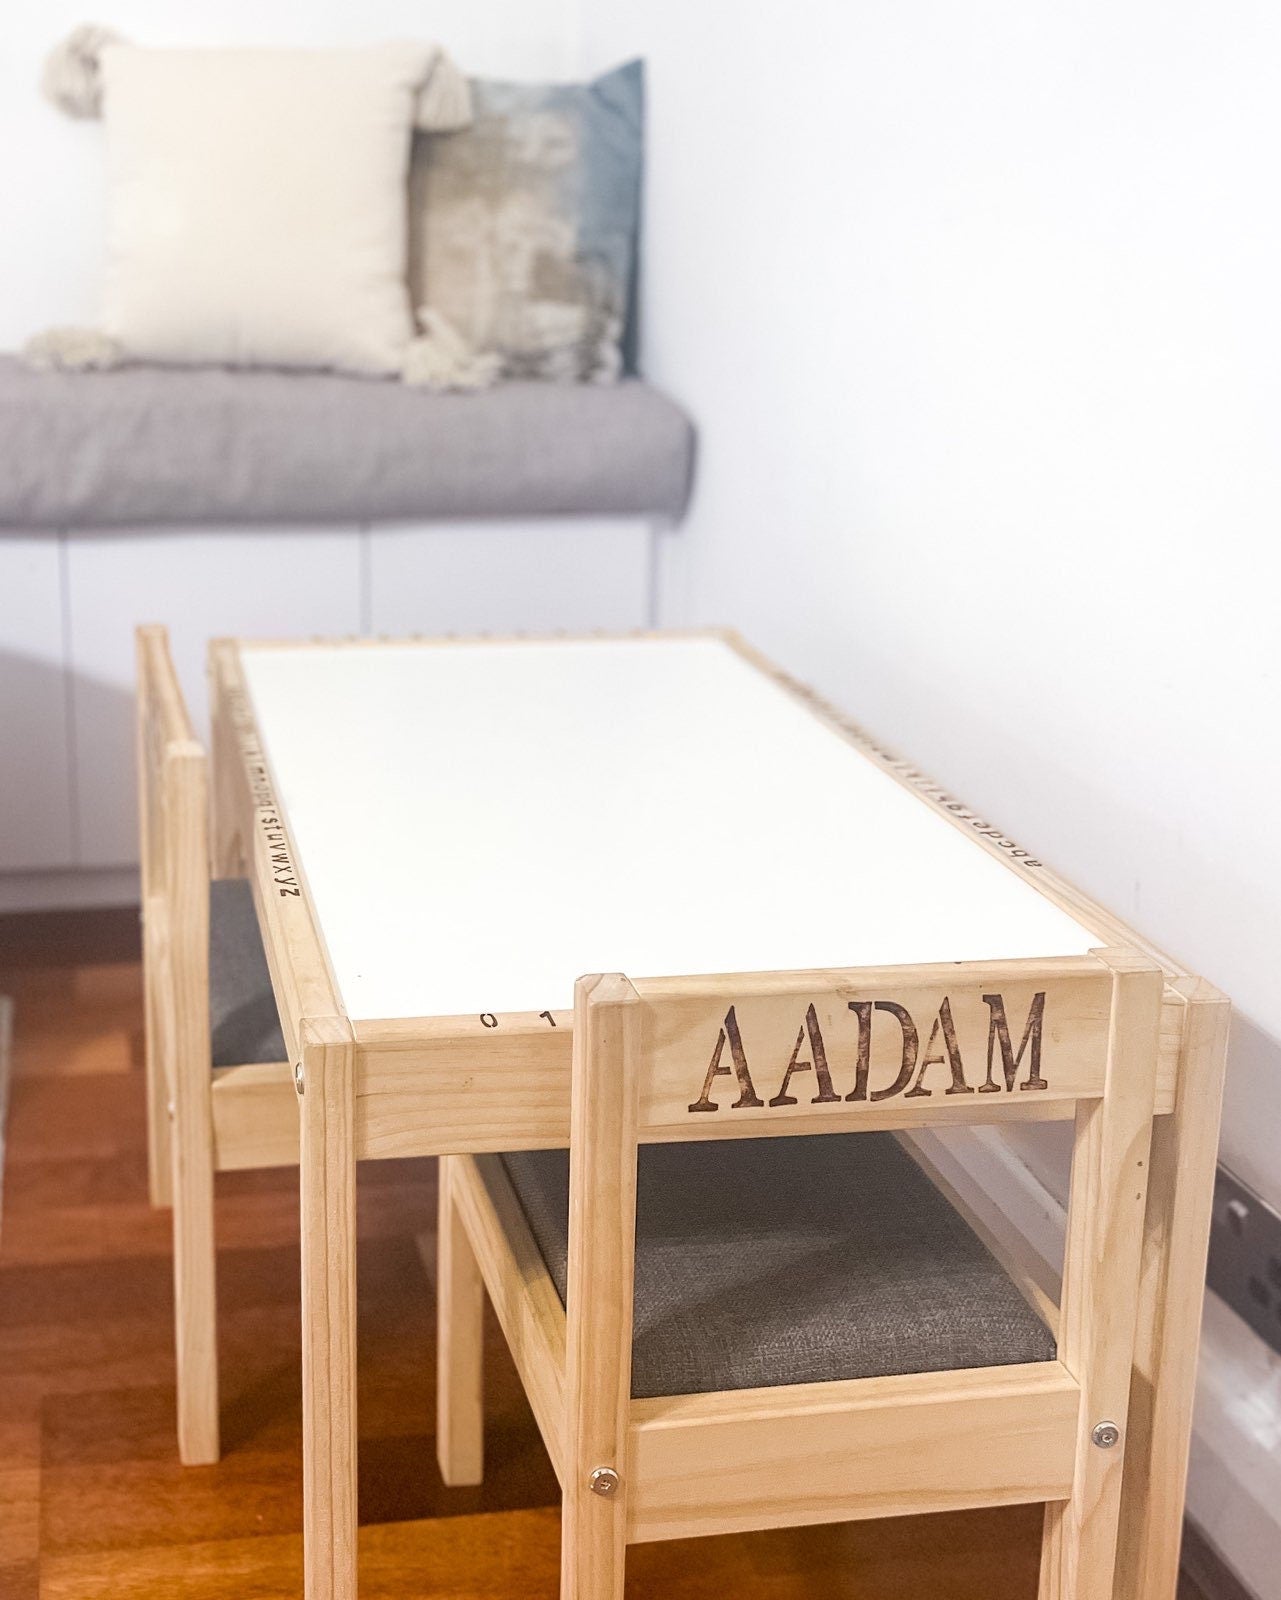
93	1502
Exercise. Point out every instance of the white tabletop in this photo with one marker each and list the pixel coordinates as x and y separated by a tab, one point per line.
480	824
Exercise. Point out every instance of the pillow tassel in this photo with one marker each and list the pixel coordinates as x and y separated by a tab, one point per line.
71	350
72	81
444	101
72	75
440	358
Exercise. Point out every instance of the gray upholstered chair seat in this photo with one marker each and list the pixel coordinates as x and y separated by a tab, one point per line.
168	445
803	1260
243	1022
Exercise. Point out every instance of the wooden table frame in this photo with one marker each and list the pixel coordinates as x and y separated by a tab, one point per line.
374	1089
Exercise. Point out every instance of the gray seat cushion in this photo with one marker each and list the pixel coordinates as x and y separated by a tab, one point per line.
205	444
243	1022
764	1262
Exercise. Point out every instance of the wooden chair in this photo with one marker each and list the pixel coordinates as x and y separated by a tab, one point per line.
210	1019
764	1332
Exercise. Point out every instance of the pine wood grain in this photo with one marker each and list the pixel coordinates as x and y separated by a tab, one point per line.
1098	1315
602	1248
327	1097
93	1500
1184	1152
460	1314
520	1288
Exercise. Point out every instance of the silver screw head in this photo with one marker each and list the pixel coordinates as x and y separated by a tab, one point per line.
298	1077
604	1481
1106	1435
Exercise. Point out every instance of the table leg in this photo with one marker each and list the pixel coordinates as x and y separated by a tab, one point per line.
460	1336
1180	1196
328	1209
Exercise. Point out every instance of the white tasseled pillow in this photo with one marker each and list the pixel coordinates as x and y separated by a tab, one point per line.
256	204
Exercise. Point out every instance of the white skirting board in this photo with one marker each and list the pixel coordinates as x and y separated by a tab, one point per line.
1234	1482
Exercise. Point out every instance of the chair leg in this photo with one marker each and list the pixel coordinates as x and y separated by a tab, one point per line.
460	1306
159	1124
159	1142
1180	1203
327	1187
598	1313
195	1301
593	1552
1101	1275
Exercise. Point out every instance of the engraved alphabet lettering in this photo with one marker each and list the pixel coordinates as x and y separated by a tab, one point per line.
999	1032
862	1009
282	871
748	1095
953	1057
826	1093
828	1057
911	1043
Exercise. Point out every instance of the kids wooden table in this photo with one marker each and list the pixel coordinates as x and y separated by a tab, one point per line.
443	836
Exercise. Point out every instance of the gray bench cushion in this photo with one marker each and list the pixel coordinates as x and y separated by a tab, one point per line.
243	1021
154	444
777	1261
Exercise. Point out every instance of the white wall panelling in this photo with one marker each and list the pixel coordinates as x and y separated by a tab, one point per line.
201	583
510	577
69	604
35	791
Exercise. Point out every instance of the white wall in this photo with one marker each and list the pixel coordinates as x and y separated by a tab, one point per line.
979	310
50	169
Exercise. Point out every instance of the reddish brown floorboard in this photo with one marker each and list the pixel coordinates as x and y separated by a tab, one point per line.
93	1501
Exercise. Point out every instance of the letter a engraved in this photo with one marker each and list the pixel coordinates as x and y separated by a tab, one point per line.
826	1094
999	1032
748	1096
952	1058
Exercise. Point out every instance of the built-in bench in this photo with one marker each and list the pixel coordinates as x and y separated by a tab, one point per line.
273	504
207	445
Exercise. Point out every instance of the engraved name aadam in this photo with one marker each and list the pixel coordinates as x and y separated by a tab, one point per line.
842	1068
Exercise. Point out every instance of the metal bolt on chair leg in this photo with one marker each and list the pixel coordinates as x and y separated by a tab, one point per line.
298	1077
604	1481
1106	1434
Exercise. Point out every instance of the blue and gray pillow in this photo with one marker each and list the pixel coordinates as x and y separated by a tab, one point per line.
523	227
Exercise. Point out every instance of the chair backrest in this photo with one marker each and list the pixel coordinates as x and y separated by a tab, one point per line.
173	823
822	1052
